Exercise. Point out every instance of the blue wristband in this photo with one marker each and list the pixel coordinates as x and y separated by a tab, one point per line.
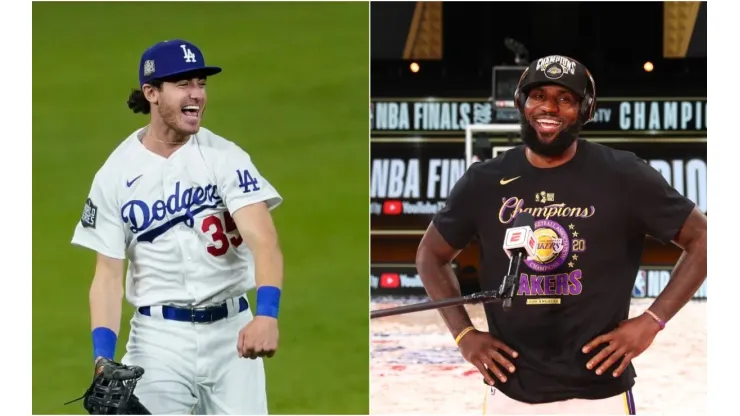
104	343
268	301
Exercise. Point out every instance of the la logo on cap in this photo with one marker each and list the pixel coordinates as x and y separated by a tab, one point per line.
189	55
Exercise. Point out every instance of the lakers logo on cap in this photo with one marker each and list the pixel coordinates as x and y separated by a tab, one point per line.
555	66
554	71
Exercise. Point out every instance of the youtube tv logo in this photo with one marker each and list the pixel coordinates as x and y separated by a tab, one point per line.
390	280
397	279
392	207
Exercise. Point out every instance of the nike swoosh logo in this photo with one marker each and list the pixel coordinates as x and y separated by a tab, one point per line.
131	182
505	181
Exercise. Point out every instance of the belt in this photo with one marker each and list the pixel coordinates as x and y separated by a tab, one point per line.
196	315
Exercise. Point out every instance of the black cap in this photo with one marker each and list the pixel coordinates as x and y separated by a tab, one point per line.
557	69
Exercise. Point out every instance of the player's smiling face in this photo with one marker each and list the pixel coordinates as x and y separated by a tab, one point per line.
550	109
550	120
182	103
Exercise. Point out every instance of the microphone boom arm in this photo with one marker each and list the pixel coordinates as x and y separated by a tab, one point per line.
475	298
518	242
505	293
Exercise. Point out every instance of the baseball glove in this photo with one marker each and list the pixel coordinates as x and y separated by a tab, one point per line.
112	390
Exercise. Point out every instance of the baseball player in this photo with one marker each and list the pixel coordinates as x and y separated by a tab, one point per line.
190	213
566	345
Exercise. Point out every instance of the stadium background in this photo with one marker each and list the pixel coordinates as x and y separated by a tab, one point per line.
418	119
294	94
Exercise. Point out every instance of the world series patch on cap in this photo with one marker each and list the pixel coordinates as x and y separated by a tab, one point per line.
171	58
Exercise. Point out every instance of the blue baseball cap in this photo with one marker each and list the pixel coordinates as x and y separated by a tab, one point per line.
170	58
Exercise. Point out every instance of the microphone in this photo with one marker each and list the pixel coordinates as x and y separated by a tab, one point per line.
518	243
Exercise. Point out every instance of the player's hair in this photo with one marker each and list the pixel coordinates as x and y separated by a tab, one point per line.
138	103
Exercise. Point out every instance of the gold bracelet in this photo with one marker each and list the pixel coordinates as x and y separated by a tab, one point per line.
462	334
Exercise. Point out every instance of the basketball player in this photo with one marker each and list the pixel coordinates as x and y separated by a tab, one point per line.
566	345
190	212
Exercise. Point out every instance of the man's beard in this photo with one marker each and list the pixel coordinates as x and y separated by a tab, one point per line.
555	148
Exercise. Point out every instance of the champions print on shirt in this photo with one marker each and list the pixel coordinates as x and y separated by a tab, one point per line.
181	206
559	245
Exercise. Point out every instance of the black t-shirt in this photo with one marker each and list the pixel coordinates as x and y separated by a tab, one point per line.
592	215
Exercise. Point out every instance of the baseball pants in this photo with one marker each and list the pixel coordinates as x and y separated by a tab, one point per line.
497	403
194	368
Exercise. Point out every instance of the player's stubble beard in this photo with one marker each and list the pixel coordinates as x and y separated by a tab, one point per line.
557	146
171	115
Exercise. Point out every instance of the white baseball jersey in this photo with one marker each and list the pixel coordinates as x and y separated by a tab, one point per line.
170	217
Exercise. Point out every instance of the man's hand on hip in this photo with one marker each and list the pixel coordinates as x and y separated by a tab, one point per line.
485	352
628	341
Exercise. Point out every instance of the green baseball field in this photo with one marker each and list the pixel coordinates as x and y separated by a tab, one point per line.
294	94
